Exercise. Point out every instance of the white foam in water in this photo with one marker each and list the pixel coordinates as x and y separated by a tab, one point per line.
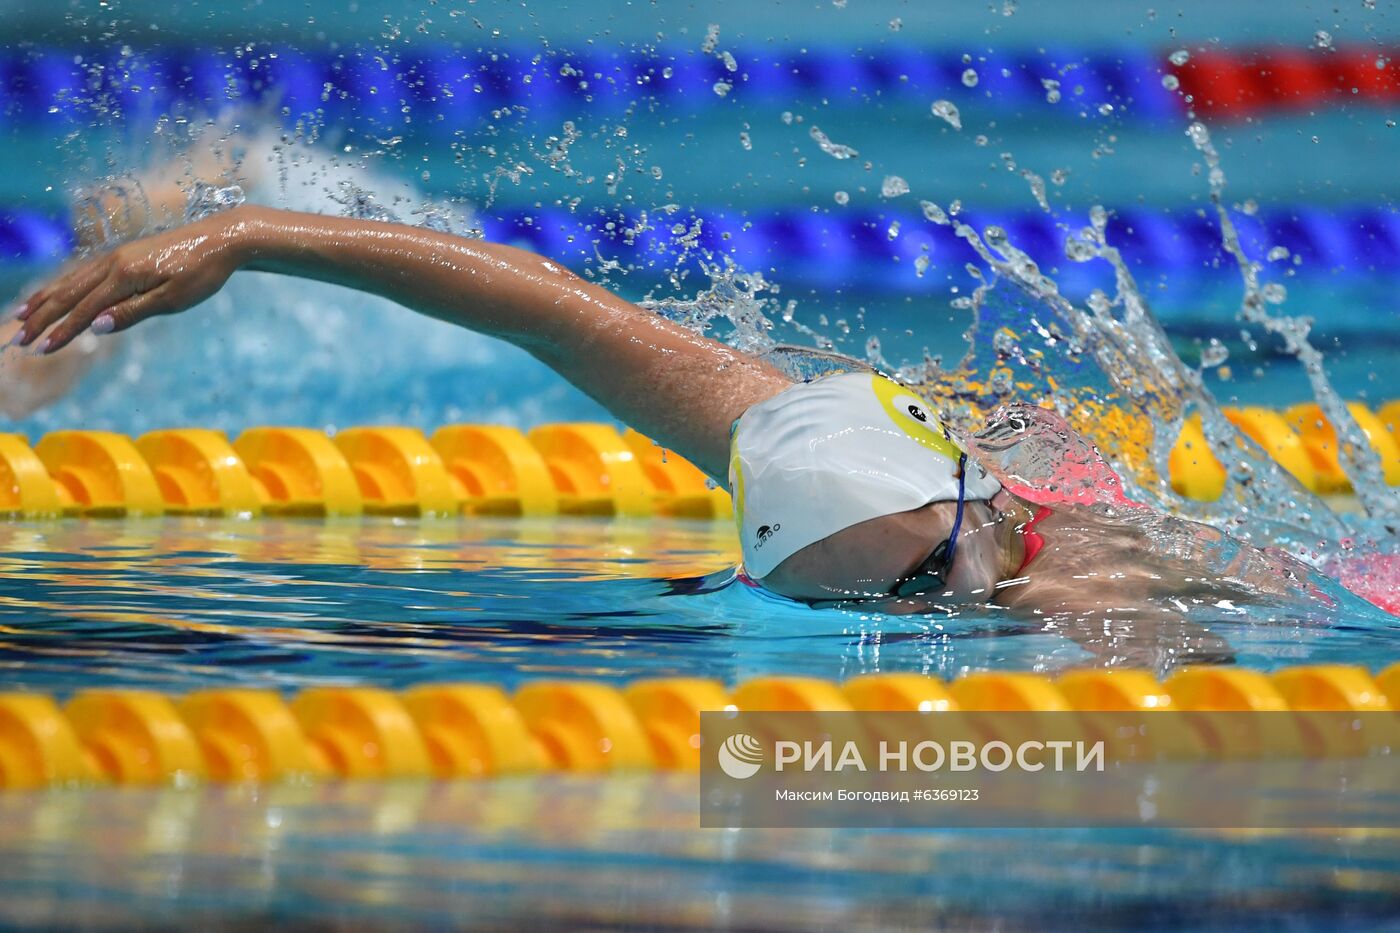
271	349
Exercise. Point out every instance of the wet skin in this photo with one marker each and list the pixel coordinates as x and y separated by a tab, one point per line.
684	390
1124	584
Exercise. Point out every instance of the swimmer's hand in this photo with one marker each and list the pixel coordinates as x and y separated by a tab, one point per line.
162	274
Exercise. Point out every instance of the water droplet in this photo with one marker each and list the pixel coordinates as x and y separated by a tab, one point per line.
1277	253
1179	57
896	24
833	149
969	78
1170	82
1052	90
744	140
711	38
947	110
893	186
933	212
1322	39
722	88
842	198
894	229
1214	354
1274	293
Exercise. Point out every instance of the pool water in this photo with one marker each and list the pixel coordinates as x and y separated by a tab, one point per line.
181	604
571	852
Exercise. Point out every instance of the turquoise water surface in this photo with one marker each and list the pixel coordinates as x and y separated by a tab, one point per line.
181	604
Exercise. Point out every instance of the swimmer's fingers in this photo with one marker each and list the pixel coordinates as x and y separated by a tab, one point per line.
163	299
70	313
169	297
54	300
100	301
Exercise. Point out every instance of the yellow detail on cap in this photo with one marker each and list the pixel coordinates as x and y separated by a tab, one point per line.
737	481
929	433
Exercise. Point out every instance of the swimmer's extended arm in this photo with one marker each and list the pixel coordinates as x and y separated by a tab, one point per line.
681	389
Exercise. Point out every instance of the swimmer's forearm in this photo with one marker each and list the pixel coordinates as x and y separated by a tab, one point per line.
680	388
487	287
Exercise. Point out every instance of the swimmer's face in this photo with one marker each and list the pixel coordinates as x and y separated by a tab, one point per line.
867	561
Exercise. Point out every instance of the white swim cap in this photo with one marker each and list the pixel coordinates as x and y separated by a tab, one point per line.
825	455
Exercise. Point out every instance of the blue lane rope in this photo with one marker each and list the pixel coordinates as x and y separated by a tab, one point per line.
851	247
425	83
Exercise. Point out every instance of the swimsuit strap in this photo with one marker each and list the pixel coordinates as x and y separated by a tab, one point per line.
1033	539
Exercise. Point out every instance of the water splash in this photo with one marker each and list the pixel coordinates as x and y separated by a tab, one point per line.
207	199
1037	455
1359	461
742	300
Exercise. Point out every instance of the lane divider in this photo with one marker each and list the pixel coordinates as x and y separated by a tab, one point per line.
557	469
1238	83
444	731
891	248
433	87
299	471
452	87
1301	440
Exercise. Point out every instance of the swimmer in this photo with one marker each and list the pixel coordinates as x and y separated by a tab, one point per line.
847	489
